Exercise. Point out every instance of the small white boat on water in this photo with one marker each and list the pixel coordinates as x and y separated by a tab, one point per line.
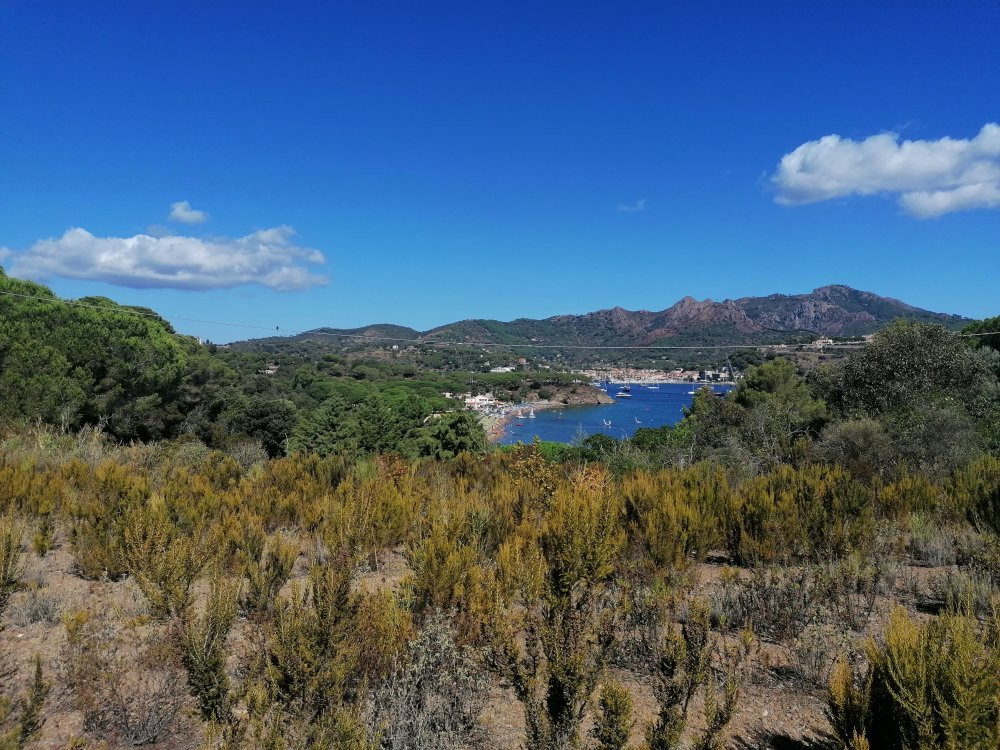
531	414
653	387
607	422
638	421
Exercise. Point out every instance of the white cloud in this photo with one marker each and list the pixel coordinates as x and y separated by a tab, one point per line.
266	257
639	205
181	211
929	178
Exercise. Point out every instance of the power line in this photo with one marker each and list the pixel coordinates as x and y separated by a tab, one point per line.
482	344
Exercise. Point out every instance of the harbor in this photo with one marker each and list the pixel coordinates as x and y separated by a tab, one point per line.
649	405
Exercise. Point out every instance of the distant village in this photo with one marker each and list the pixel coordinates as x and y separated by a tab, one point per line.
631	375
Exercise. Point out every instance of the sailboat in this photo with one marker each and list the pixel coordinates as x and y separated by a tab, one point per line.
531	414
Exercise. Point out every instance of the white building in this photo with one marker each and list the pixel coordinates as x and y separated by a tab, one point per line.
481	402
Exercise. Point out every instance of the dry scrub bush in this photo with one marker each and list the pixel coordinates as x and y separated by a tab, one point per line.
21	717
99	516
266	571
614	719
381	631
968	590
683	667
310	654
775	603
977	489
164	559
569	629
643	613
433	701
911	493
35	604
850	587
674	513
126	682
815	652
812	512
315	658
936	542
11	565
445	570
203	650
929	685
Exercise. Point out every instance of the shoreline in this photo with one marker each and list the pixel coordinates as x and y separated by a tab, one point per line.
495	424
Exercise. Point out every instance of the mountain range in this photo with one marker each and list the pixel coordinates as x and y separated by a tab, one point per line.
834	310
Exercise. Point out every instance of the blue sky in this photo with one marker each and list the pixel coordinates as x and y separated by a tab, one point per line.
439	161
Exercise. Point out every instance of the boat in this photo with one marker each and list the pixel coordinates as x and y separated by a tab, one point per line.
653	387
623	394
531	414
607	422
638	421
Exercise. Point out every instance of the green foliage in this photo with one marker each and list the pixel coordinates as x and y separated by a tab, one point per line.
163	559
309	656
31	705
72	365
776	382
265	418
614	720
203	650
683	667
930	685
11	565
267	569
977	489
988	325
913	368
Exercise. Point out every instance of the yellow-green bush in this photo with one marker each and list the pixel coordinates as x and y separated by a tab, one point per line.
929	684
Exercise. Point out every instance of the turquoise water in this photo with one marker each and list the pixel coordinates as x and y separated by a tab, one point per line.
647	408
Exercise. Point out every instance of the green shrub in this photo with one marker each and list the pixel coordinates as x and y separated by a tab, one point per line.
929	685
203	650
11	564
614	719
266	574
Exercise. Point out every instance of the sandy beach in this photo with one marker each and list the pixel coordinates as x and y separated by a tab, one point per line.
494	424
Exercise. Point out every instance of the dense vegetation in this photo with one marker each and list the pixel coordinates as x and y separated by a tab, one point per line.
811	559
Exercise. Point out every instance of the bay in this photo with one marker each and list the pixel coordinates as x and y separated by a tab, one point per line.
648	407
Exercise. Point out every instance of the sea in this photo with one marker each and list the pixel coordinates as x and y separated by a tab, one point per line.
648	407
